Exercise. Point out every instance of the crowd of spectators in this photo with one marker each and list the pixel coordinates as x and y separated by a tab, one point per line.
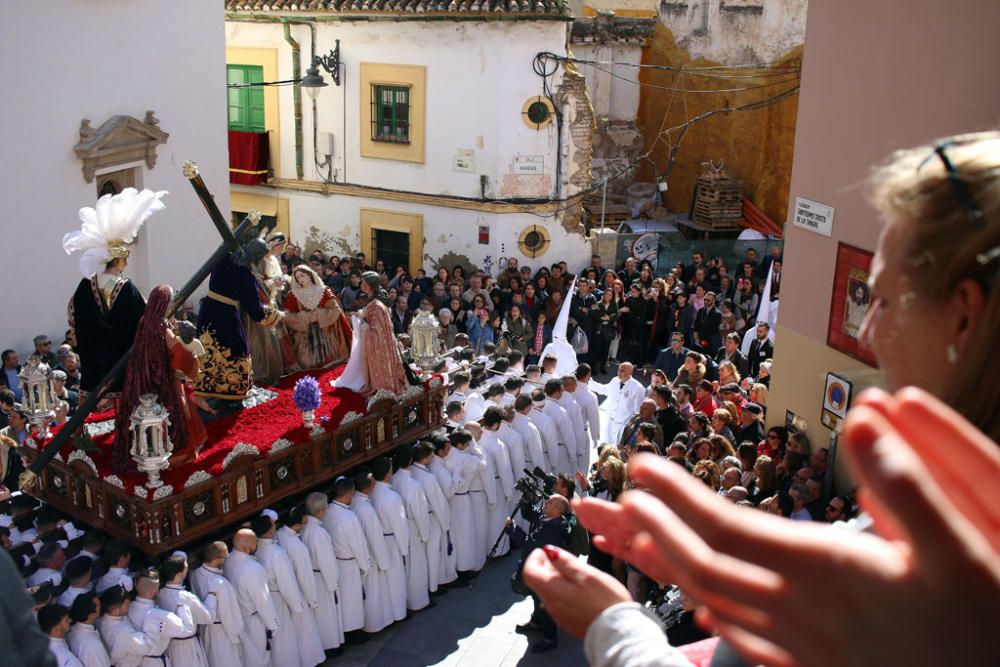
630	315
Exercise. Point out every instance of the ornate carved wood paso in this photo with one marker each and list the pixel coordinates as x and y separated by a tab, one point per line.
120	140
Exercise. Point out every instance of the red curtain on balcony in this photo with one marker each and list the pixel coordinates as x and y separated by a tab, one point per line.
249	158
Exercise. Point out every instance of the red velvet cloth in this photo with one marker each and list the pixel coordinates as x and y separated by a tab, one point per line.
259	426
249	157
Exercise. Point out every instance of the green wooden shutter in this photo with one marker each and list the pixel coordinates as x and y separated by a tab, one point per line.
246	105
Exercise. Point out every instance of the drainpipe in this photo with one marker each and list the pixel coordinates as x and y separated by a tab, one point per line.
296	97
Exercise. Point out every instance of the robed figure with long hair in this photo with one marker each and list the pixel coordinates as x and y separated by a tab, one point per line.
376	362
319	331
163	365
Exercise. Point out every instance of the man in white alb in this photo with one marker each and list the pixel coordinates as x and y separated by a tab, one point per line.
395	528
310	645
353	559
324	563
249	580
284	590
222	638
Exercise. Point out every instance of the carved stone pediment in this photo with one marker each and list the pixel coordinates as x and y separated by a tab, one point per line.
119	140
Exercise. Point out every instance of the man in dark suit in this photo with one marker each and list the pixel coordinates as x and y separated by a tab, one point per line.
551	530
761	349
401	316
706	326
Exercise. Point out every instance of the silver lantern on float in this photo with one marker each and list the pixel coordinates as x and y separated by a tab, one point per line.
39	395
151	445
424	343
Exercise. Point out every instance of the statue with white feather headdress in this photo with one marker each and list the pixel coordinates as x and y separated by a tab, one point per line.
106	307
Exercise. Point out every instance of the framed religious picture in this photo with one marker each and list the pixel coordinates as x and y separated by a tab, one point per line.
849	302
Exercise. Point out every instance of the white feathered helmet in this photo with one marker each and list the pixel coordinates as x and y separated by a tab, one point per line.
110	227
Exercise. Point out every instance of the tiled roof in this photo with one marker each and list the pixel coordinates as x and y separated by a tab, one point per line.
525	8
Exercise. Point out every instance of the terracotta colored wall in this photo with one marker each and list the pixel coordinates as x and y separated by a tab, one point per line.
756	146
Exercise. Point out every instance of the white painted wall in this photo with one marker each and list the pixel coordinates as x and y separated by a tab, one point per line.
612	96
74	59
479	75
445	230
736	32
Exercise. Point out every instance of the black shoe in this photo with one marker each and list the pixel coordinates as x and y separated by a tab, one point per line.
334	652
543	645
442	590
525	628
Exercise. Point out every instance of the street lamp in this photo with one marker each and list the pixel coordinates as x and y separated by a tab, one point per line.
313	81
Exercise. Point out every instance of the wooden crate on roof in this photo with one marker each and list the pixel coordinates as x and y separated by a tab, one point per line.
718	198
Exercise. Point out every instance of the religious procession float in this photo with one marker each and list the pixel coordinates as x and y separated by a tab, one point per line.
173	441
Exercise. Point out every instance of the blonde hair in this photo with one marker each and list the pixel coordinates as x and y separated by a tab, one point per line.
762	394
614	474
948	246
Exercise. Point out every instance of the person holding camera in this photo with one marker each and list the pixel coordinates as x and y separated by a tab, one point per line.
548	534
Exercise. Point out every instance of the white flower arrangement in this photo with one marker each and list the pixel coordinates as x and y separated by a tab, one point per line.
279	445
77	455
115	481
380	395
350	417
241	449
197	477
162	492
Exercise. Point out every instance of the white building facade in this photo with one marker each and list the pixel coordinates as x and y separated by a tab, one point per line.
455	170
73	60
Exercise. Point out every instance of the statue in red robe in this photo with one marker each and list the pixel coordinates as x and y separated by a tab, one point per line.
318	330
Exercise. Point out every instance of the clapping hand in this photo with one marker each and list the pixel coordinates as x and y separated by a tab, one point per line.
573	593
923	592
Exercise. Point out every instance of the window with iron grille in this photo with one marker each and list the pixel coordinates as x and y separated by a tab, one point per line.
246	105
391	113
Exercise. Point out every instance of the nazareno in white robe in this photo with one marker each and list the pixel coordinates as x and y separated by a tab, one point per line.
163	625
396	530
418	519
483	492
285	595
353	561
534	455
464	469
550	438
324	566
126	644
440	521
577	422
249	580
186	652
306	630
496	450
447	572
378	606
566	451
222	637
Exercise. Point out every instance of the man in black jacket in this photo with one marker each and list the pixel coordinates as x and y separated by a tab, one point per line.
731	352
706	326
551	530
761	349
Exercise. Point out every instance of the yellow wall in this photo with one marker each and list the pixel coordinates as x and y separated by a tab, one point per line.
268	59
276	206
394	221
407	75
799	371
756	146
